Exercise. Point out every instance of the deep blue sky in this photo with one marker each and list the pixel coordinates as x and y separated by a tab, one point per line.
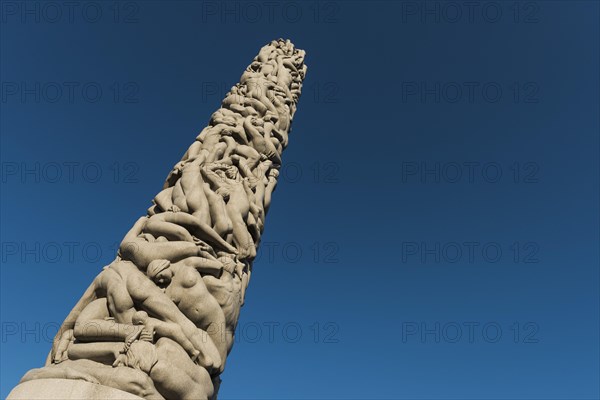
390	229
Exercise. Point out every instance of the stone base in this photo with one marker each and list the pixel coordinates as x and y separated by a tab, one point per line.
66	389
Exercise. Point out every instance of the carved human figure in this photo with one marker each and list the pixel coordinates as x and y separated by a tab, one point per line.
95	324
155	371
227	290
258	86
125	287
254	128
225	181
237	101
142	247
170	368
184	286
176	225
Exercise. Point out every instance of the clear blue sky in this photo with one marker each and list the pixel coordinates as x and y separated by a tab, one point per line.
435	230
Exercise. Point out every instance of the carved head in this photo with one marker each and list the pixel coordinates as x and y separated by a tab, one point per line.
219	117
228	263
256	121
139	318
160	272
231	172
255	66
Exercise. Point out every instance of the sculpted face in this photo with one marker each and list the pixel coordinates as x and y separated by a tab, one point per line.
221	118
229	121
163	278
257	121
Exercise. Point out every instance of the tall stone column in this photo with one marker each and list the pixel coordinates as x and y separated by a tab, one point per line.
159	321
